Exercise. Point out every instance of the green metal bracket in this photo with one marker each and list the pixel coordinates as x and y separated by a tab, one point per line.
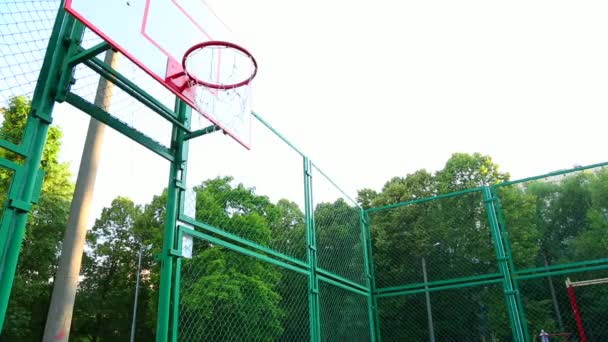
67	75
7	145
42	116
135	91
19	205
201	132
120	126
180	184
84	55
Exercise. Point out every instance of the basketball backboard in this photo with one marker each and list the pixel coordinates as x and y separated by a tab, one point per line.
155	35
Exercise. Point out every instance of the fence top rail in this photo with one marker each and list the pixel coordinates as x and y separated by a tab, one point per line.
335	185
279	135
551	174
422	200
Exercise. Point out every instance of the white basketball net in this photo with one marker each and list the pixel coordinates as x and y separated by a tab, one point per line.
222	66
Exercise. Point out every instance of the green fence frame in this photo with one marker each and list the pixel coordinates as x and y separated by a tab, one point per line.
503	276
509	276
65	52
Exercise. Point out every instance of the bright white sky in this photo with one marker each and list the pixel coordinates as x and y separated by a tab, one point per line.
376	89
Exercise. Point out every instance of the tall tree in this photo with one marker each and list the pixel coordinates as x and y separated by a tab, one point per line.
223	291
105	298
450	236
464	171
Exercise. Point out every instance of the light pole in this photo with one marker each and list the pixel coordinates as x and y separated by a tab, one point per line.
134	319
429	311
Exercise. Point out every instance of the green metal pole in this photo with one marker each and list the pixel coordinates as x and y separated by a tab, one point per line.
313	283
503	265
522	311
176	294
509	254
372	269
25	185
370	281
174	189
181	202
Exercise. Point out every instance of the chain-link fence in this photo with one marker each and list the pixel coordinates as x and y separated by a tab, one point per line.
228	296
337	219
432	240
497	259
548	306
554	228
276	249
344	314
25	28
289	229
279	252
436	267
476	313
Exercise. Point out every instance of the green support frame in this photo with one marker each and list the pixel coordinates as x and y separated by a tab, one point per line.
311	251
504	259
64	53
26	183
502	254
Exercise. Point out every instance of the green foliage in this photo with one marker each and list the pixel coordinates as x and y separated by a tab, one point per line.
339	244
465	171
228	296
558	220
288	227
225	291
105	298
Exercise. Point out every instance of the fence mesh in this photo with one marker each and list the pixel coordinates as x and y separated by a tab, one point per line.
465	314
228	296
25	28
547	306
255	194
447	237
344	314
556	220
338	230
120	104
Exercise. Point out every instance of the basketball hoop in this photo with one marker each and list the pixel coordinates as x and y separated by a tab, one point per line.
218	75
201	64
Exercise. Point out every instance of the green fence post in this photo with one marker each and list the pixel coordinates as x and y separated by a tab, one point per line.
24	186
371	278
503	264
176	292
174	189
313	283
509	254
